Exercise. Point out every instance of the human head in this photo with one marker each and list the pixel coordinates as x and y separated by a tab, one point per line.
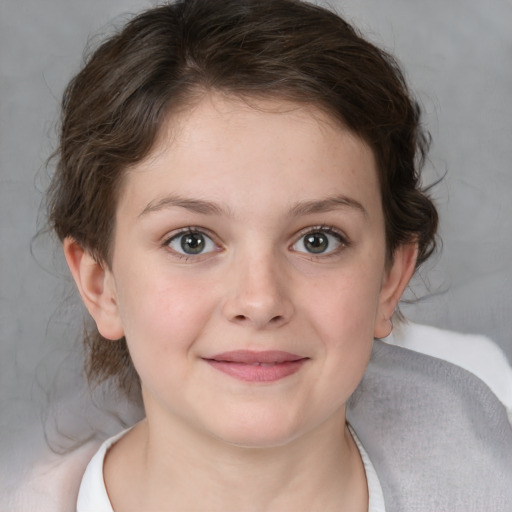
167	58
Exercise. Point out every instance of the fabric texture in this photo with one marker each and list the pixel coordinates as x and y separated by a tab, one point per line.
473	352
438	437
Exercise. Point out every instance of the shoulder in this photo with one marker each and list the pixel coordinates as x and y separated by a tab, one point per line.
62	483
51	485
432	429
475	353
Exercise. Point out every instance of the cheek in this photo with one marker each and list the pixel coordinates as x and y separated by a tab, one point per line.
346	304
343	311
164	314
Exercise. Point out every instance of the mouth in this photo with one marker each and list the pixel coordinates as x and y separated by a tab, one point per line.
251	366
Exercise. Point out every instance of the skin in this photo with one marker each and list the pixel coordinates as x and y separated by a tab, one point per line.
255	182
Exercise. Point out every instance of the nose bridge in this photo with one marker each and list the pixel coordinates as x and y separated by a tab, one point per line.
258	294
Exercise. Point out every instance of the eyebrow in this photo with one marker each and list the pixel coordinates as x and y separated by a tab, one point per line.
328	204
194	205
210	208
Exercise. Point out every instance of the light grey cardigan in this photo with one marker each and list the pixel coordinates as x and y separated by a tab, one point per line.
439	439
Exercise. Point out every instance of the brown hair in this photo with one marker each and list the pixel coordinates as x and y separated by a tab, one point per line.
113	109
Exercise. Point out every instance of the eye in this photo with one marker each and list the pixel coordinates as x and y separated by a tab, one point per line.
191	243
319	241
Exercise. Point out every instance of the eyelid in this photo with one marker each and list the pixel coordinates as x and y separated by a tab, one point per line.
325	228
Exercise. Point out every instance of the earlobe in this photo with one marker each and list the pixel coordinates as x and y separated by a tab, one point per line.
396	280
97	289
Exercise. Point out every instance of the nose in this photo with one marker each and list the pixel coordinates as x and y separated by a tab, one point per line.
258	293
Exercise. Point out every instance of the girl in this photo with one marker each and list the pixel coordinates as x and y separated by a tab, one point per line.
239	201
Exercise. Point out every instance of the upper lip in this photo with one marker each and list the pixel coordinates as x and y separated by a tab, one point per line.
252	357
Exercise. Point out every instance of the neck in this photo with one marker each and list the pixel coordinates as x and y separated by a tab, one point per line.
322	470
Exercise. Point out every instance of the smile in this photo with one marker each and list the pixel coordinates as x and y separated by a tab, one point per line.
253	366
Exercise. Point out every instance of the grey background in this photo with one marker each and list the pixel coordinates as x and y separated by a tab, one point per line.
458	58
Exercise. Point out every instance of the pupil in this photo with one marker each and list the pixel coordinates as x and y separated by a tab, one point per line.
192	243
316	242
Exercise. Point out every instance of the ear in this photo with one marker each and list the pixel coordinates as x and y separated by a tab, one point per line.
395	281
96	285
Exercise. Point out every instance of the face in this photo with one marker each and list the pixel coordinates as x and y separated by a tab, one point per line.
249	271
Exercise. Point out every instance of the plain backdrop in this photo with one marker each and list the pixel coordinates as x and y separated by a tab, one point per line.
458	58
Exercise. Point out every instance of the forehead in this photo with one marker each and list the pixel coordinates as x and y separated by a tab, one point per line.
225	147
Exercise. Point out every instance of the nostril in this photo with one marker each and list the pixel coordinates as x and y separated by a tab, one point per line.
243	318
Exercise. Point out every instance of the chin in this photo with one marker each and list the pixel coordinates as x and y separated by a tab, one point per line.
259	432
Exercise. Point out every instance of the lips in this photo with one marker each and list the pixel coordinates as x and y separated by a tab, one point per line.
251	366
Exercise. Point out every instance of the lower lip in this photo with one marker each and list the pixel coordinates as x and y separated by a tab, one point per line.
257	373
